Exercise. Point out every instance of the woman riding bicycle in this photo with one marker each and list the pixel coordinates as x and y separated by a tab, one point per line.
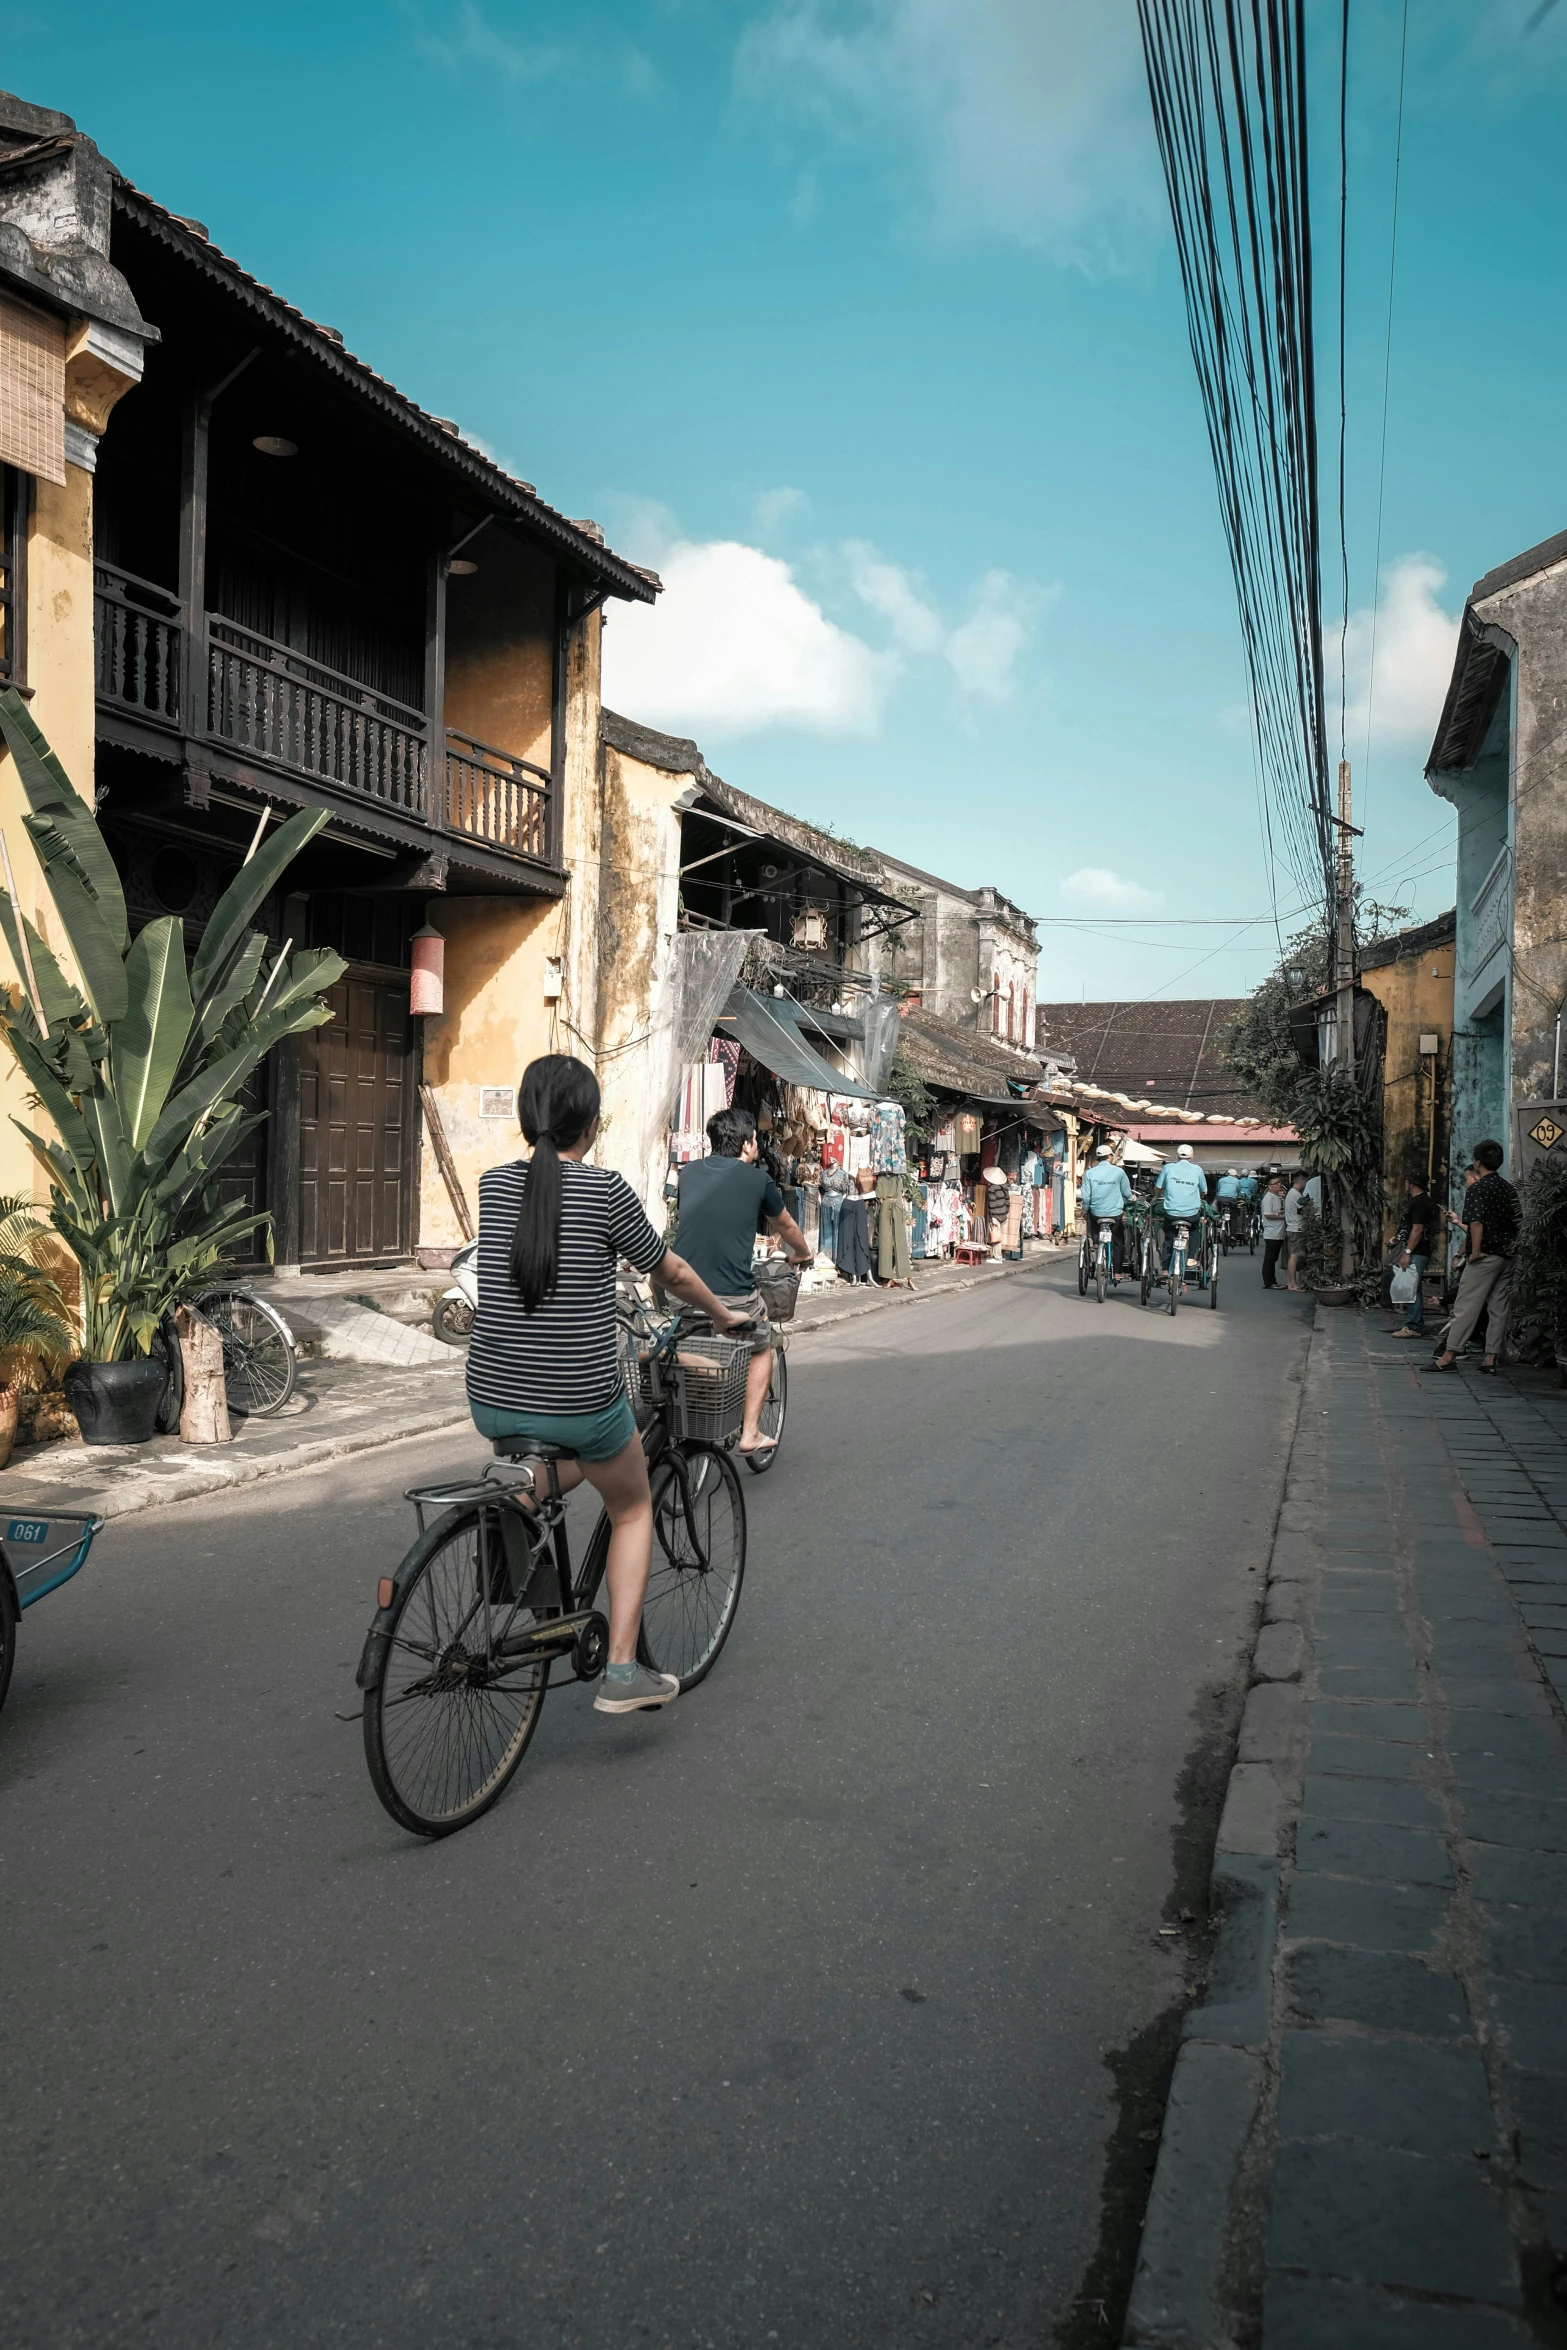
545	1359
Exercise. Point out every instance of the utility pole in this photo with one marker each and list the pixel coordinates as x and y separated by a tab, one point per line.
1344	981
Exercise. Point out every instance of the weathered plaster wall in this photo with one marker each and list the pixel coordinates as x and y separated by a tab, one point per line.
498	957
638	913
499	666
60	671
500	1019
1534	615
1416	993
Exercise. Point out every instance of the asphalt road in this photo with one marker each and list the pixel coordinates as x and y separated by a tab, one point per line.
795	2014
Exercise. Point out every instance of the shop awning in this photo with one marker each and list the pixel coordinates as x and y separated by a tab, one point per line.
767	1030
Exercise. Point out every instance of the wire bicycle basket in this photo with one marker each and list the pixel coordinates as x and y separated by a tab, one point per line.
708	1377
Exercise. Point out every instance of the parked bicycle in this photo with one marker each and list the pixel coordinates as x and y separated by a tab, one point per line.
457	1661
260	1361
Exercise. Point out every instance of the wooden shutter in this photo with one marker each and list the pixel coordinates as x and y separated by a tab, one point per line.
32	391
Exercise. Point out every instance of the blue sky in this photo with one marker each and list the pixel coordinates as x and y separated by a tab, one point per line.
860	318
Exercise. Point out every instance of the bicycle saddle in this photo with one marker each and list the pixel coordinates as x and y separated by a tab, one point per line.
529	1448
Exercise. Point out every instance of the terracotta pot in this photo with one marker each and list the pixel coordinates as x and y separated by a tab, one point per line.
116	1403
1335	1297
8	1403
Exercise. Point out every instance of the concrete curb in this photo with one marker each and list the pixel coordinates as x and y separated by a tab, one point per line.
1190	2229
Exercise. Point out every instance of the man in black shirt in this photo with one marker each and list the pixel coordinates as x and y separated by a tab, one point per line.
1413	1248
1491	1218
724	1202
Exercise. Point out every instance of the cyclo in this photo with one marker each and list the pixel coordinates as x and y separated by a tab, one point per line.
457	1660
1182	1259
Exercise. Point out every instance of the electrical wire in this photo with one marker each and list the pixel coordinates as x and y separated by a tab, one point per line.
1229	106
1387	378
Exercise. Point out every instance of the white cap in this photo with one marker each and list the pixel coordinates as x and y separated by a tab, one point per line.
1184	1150
1103	1151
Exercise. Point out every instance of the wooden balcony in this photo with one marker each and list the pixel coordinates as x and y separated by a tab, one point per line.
494	797
277	706
139	646
273	707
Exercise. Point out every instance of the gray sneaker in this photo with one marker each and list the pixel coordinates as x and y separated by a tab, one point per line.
643	1691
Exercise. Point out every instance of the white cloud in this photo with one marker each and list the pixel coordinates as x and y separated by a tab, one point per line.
471	39
891	591
983	650
1021	118
1107	892
1411	640
773	508
734	645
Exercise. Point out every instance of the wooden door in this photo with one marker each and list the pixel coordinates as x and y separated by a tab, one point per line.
355	1089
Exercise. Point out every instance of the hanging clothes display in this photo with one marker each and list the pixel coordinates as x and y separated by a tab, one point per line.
725	1051
886	1139
853	1254
968	1130
892	1230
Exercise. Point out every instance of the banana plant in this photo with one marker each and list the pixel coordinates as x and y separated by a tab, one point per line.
140	1062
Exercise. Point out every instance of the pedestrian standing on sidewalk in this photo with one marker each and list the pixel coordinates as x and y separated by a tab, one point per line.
1491	1218
1412	1250
1272	1229
1294	1202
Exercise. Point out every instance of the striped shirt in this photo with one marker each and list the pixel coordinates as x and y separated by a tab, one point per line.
565	1357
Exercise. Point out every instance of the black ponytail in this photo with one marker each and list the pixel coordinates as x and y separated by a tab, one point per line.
557	1103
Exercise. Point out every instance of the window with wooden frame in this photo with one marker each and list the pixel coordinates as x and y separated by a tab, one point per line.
13	513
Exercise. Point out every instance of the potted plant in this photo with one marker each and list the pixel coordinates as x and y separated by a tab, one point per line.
139	1065
33	1327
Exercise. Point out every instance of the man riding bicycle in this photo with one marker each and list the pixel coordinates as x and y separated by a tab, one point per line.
1227	1198
724	1201
1181	1195
1106	1195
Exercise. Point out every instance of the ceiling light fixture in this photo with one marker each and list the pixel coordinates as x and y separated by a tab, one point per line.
272	444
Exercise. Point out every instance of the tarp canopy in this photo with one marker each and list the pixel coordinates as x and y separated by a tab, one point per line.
767	1030
1139	1153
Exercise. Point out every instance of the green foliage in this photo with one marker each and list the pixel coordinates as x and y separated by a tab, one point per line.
33	1327
905	1085
1259	1048
140	1069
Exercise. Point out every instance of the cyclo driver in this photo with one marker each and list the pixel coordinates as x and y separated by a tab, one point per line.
1181	1196
1106	1195
1227	1197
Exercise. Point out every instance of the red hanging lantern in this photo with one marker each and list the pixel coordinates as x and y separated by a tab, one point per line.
427	982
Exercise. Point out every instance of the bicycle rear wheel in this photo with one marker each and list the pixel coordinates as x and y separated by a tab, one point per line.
774	1413
1101	1271
259	1364
446	1720
693	1590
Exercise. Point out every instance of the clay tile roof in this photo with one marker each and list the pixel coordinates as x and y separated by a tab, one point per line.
1167	1053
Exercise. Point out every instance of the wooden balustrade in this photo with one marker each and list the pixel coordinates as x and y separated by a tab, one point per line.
280	706
138	644
497	798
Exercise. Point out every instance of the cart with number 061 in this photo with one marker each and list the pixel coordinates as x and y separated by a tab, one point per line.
37	1555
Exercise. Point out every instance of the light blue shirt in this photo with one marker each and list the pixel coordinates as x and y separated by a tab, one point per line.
1248	1187
1229	1187
1105	1189
1180	1186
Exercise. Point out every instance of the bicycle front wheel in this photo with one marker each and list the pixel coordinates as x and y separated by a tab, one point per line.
693	1590
259	1364
774	1413
448	1719
1103	1272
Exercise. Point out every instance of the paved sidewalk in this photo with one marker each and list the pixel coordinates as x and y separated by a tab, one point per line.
338	1408
1366	2141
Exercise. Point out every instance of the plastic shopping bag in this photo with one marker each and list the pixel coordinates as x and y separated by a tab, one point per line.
1404	1287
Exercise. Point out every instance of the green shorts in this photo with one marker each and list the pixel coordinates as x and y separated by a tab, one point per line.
592	1436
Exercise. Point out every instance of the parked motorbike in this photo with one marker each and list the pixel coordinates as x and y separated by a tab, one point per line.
452	1320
